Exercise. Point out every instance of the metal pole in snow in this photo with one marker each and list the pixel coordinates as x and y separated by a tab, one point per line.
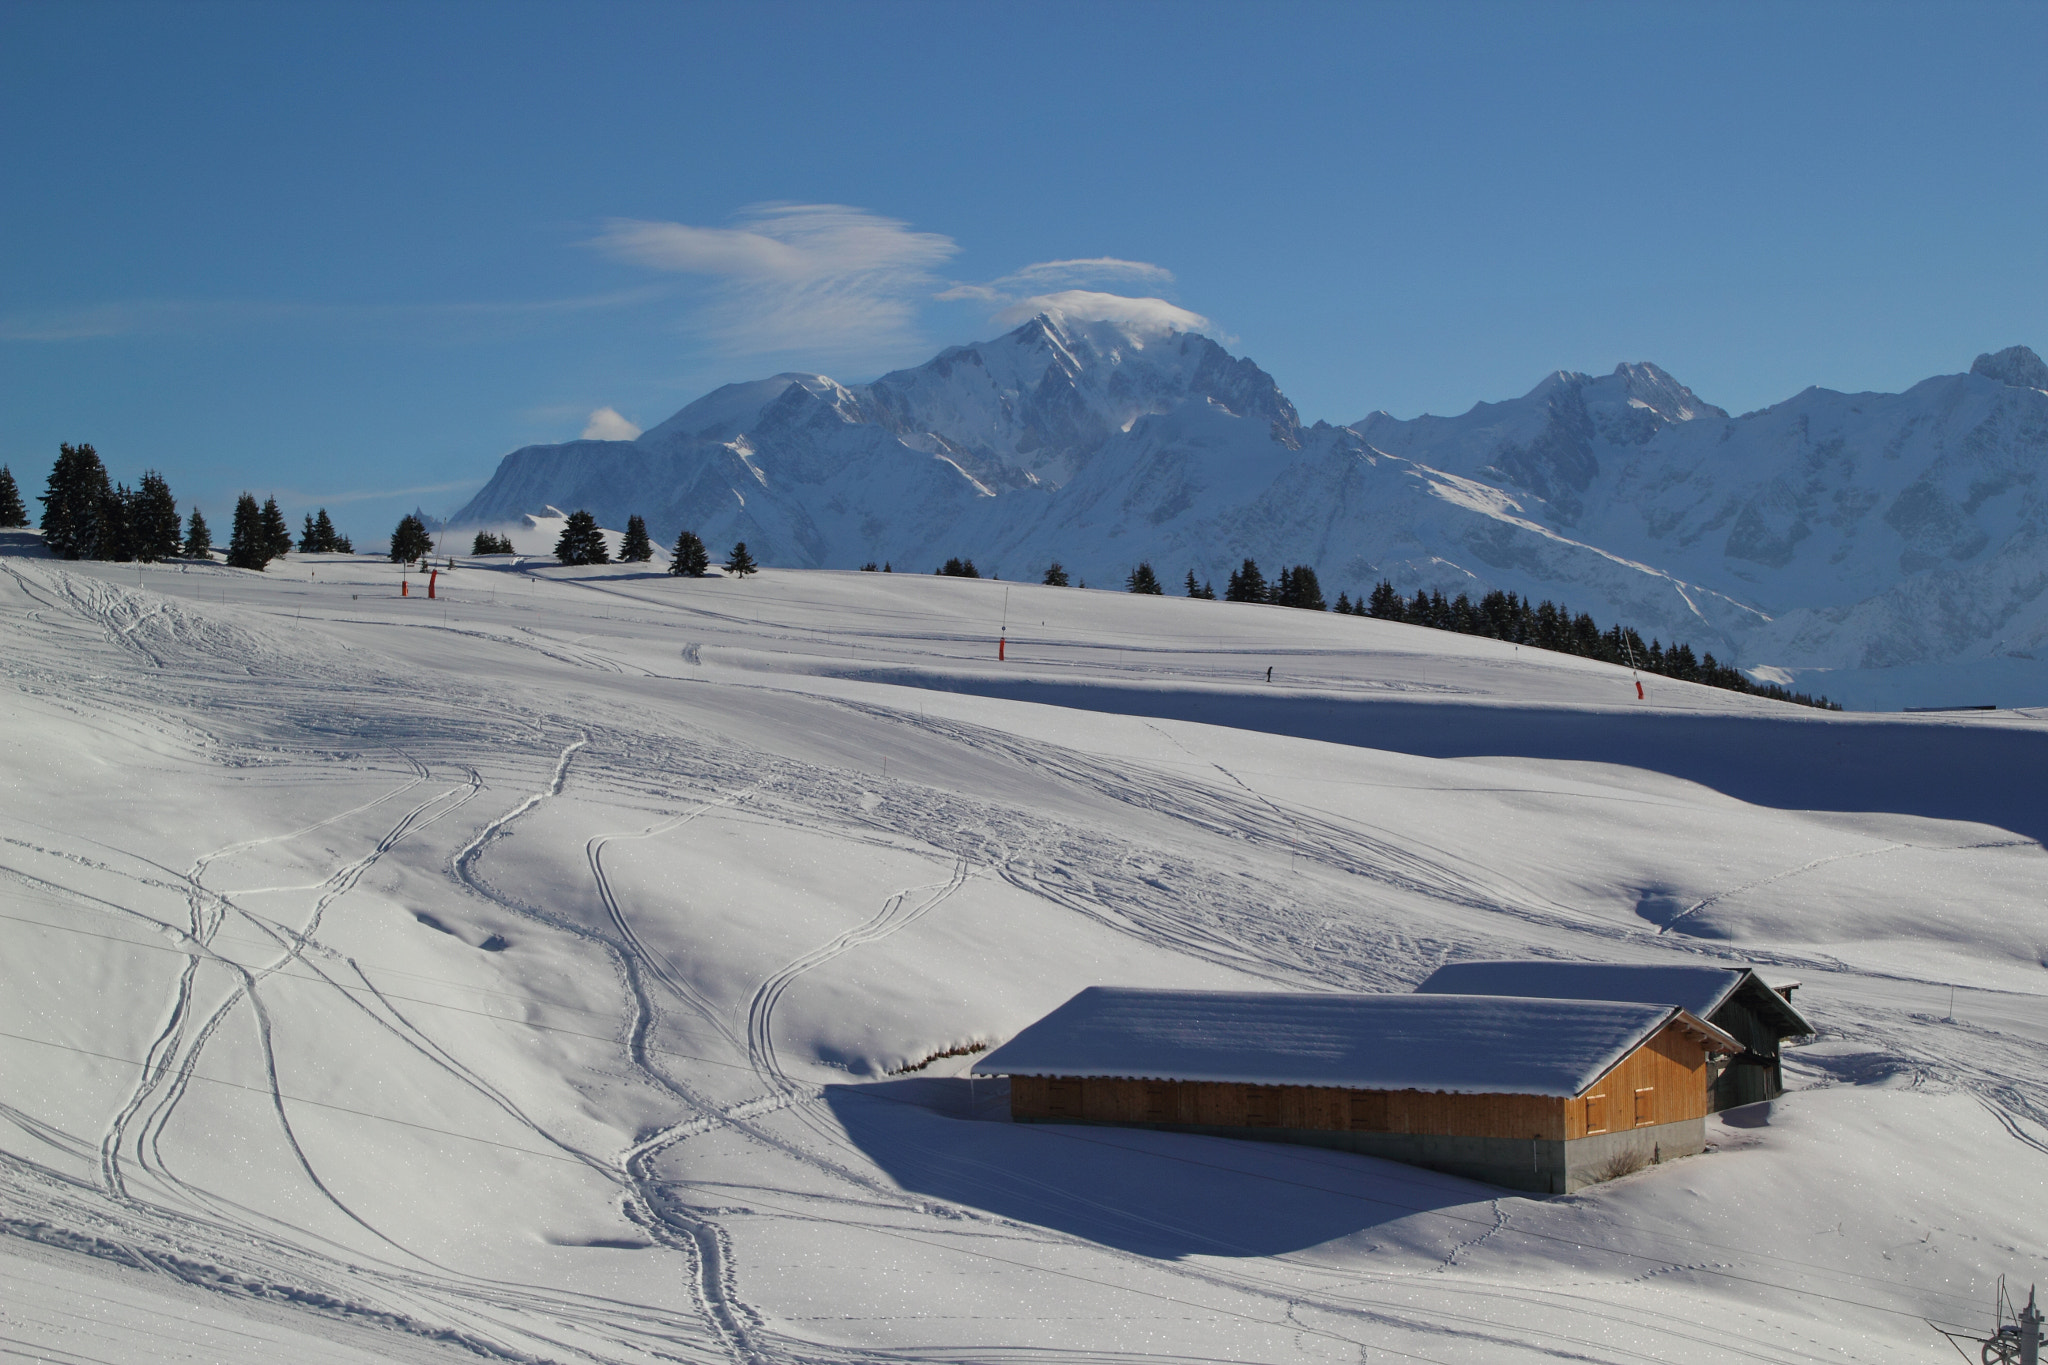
2030	1333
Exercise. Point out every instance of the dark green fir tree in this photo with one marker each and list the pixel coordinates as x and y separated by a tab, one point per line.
1247	584
117	524
325	541
12	513
1143	581
739	563
581	541
153	519
635	548
198	537
410	540
690	558
1056	575
72	503
248	544
277	532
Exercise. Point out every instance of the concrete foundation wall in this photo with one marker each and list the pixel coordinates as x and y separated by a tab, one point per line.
1534	1164
1589	1160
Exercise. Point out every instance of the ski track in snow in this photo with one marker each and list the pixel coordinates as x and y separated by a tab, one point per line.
1161	893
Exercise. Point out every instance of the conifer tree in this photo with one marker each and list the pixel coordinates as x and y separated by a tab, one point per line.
248	544
959	568
116	528
581	541
1199	591
689	557
198	537
635	548
12	513
324	539
739	563
490	543
1343	604
277	533
1143	580
154	519
1056	575
308	541
1247	584
72	503
410	540
343	545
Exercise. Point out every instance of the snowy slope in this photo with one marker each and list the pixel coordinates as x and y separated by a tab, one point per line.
520	975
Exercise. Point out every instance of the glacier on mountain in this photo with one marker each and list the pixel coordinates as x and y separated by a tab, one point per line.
1890	548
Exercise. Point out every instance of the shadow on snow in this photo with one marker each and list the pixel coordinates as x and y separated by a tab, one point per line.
1166	1195
1986	774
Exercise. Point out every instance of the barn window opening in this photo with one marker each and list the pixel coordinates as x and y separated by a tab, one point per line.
1596	1113
1158	1102
1646	1106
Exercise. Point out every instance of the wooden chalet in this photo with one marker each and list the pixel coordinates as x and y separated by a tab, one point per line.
1534	1094
1733	999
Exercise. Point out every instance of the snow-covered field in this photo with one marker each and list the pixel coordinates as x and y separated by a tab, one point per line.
527	974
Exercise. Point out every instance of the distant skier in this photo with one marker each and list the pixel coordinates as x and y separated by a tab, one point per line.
1269	672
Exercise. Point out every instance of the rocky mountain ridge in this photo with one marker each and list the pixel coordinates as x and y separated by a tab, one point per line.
1893	540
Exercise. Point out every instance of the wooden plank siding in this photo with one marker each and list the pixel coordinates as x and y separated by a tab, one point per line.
1662	1081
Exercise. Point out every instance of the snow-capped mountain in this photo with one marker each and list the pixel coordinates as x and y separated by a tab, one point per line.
1833	531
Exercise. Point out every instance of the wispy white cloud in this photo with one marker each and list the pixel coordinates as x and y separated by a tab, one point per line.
1048	275
605	424
817	277
1089	270
1086	305
1037	288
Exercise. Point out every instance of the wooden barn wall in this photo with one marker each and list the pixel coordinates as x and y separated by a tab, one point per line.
1222	1104
1663	1081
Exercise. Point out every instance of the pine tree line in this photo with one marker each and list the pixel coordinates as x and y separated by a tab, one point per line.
86	515
320	537
1504	616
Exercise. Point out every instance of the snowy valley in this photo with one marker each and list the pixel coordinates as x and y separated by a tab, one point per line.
565	967
1888	549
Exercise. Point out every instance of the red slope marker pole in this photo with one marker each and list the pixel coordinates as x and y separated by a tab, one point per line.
405	587
432	576
1002	642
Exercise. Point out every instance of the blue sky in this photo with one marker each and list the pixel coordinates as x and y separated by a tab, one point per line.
353	254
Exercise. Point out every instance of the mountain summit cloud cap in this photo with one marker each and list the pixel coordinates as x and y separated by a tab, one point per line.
1140	317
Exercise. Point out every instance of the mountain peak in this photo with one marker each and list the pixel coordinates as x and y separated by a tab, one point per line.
2015	365
1653	387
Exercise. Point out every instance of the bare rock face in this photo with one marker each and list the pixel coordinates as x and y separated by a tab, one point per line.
2015	365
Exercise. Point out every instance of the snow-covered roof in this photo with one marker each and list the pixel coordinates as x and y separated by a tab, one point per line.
1459	1044
1696	987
